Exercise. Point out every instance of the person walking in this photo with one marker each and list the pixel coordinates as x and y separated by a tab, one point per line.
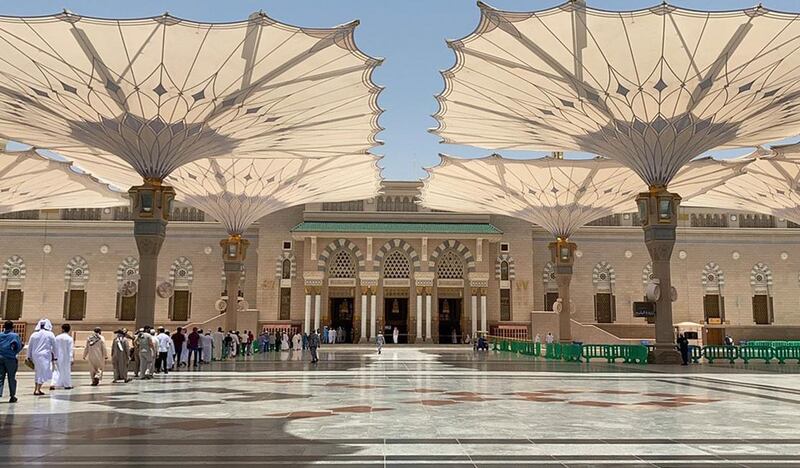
120	356
380	341
395	335
41	347
297	342
163	341
95	352
313	344
62	374
147	352
332	335
10	346
178	341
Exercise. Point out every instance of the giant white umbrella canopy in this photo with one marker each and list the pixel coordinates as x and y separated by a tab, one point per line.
30	181
771	185
237	192
560	195
135	99
653	88
145	96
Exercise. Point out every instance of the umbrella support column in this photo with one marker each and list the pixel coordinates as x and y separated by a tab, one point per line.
658	210
562	254
151	205
234	252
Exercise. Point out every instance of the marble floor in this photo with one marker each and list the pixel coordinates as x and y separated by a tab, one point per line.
432	406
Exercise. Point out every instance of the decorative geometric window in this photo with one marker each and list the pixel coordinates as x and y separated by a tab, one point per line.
504	271
396	265
712	278
11	296
603	276
76	275
761	278
450	266
128	270
181	273
14	271
286	269
342	265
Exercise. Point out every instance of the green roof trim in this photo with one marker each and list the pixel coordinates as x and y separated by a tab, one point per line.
399	228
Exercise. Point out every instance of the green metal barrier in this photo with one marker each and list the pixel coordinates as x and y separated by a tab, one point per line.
773	343
634	354
696	352
553	351
714	352
595	351
571	352
756	352
782	353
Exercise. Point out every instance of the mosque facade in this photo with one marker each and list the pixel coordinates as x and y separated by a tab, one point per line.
371	266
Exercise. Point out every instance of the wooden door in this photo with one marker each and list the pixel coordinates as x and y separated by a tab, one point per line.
715	336
550	299
711	307
13	304
76	308
602	308
127	308
761	314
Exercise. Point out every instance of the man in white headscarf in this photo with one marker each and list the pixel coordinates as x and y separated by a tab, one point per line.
62	374
41	348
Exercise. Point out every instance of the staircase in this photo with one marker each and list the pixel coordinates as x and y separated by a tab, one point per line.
587	333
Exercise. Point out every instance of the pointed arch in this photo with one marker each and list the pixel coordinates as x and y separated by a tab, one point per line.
279	265
713	278
604	276
14	271
509	261
456	246
128	269
761	276
181	273
337	245
76	272
398	245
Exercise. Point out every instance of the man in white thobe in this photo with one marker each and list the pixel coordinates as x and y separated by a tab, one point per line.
332	335
207	343
62	374
41	346
217	339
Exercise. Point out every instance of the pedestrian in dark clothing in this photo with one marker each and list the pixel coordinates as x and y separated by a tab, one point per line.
194	347
313	344
178	340
10	346
683	346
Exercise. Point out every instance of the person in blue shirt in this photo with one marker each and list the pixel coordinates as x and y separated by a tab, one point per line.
10	346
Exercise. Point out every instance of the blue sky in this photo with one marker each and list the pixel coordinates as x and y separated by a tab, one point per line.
409	34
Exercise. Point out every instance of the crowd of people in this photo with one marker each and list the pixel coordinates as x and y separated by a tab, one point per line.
146	352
